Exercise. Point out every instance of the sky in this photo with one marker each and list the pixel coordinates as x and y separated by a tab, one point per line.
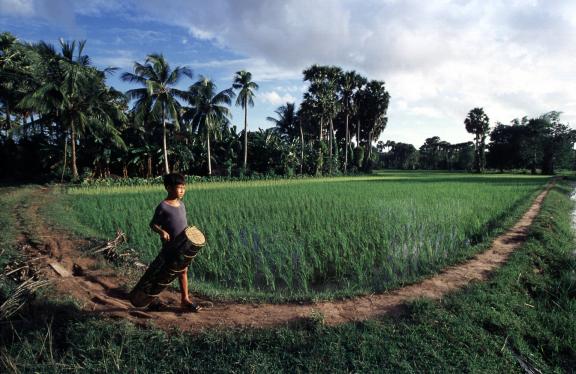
438	58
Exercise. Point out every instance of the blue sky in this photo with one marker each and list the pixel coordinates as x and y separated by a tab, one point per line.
439	58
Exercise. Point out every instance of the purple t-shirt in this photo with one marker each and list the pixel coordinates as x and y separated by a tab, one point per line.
170	218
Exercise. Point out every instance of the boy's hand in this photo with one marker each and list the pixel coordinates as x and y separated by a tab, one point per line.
165	236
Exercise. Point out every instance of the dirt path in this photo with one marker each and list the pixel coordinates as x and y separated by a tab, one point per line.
100	290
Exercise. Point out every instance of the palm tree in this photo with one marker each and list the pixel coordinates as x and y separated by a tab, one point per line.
373	103
243	82
286	123
289	126
73	92
12	67
350	82
158	95
322	95
209	110
478	123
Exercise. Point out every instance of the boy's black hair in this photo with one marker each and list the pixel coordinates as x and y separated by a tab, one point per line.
173	179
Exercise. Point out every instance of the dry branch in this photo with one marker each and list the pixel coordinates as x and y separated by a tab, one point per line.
112	249
20	296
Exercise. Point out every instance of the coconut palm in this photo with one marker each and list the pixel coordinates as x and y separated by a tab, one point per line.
286	123
289	126
158	95
209	110
243	82
73	92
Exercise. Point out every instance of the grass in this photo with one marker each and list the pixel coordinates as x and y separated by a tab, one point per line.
524	315
11	197
8	198
317	238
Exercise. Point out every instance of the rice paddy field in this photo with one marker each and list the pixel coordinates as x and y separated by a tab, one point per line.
317	238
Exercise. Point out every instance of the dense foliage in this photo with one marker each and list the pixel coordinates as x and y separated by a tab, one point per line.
55	106
59	118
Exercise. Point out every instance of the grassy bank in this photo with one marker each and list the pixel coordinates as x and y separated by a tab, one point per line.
318	238
522	317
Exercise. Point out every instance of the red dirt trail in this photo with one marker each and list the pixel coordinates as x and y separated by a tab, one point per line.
101	290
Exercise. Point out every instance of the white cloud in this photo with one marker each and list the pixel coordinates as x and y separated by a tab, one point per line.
58	11
99	7
272	97
436	47
200	34
119	58
439	58
17	7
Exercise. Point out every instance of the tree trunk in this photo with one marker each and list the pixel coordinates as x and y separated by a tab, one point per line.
346	145
301	147
8	124
482	154
65	153
209	156
368	149
73	142
330	140
245	136
149	167
164	146
358	134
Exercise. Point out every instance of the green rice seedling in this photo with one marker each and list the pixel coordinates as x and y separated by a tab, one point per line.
310	238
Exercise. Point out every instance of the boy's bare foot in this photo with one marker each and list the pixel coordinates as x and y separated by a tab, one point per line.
188	305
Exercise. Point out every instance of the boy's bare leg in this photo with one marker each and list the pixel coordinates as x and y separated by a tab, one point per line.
183	280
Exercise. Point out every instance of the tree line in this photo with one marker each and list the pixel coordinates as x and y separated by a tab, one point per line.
60	119
542	144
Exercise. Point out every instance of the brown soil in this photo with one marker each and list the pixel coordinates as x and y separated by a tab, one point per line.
100	290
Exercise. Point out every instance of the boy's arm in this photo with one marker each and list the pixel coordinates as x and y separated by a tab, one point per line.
163	234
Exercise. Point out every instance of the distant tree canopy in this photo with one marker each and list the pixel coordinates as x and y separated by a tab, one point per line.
542	143
538	143
434	154
59	118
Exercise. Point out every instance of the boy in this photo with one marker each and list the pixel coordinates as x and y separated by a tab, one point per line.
169	221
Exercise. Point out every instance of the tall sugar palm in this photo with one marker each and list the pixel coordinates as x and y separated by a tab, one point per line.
209	110
350	82
323	94
158	95
373	101
243	82
478	123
